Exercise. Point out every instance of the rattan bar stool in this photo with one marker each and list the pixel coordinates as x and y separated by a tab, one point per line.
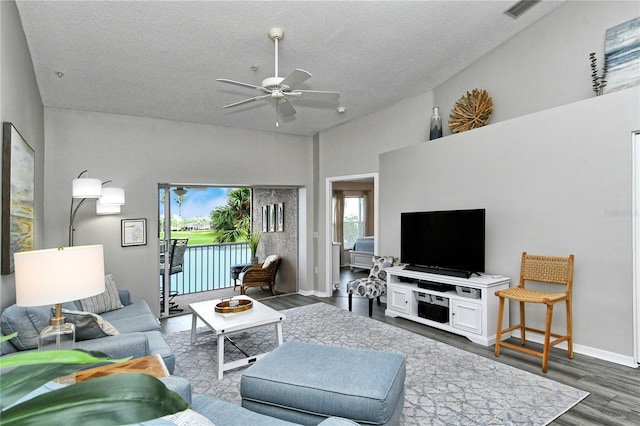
545	269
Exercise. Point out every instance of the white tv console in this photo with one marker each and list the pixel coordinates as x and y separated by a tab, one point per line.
474	318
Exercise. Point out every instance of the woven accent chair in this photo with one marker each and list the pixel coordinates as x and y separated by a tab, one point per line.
545	269
375	285
260	275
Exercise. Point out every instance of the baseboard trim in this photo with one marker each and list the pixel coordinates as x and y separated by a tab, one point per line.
314	293
616	358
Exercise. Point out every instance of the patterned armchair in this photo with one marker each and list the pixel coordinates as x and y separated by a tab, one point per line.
375	285
260	275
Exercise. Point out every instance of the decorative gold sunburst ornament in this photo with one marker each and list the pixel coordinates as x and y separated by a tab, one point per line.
471	111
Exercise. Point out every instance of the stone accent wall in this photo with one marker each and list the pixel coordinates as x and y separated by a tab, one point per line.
285	243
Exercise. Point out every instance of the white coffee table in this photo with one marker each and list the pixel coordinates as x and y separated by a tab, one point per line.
224	324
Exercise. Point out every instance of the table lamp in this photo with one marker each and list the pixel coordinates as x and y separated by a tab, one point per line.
55	276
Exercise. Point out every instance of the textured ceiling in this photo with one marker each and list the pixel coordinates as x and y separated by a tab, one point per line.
161	58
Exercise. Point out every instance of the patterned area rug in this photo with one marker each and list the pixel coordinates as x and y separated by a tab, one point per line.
444	385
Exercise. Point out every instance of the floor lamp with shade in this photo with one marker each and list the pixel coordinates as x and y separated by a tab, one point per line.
108	200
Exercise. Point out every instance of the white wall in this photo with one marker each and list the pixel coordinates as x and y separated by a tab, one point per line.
137	154
545	65
20	104
353	149
553	183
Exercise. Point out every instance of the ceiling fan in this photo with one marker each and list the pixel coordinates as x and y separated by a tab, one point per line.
182	190
281	89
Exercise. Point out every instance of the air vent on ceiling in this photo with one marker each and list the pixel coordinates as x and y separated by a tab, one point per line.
520	7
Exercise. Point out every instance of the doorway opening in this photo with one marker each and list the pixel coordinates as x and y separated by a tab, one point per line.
217	223
352	216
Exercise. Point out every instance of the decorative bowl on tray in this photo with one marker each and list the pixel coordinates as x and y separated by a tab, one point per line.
229	306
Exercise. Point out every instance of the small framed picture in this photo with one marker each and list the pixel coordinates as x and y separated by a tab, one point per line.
272	217
265	218
134	232
280	217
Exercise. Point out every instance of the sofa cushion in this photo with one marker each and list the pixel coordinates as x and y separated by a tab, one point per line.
103	302
158	345
134	317
7	348
225	413
89	325
28	322
135	345
179	385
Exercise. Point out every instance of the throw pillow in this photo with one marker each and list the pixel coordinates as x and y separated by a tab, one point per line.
89	325
269	260
188	417
103	302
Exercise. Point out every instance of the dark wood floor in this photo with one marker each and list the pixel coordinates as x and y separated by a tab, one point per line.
614	389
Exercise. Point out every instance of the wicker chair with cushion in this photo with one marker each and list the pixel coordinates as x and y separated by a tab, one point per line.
542	269
375	285
260	275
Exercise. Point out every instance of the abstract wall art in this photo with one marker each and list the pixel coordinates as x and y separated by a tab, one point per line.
622	55
18	176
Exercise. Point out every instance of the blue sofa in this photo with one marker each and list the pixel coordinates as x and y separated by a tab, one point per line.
139	330
222	413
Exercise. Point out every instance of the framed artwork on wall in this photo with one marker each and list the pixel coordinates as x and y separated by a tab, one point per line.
18	181
621	47
134	232
280	217
265	218
272	217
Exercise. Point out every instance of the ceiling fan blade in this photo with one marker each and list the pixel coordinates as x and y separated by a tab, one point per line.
296	78
239	83
318	95
286	109
246	101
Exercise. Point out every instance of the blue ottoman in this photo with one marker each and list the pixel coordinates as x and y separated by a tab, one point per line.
306	383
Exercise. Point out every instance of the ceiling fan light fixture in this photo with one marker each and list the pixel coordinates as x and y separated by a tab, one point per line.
281	88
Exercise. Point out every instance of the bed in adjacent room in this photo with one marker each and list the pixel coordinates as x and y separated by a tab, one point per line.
362	253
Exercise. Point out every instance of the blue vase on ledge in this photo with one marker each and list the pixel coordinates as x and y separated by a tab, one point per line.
435	130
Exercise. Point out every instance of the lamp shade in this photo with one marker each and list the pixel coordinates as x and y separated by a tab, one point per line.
112	196
104	209
86	188
50	276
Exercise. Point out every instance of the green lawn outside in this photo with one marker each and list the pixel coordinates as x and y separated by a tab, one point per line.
196	238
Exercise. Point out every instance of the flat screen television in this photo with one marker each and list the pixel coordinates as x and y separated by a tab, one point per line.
443	242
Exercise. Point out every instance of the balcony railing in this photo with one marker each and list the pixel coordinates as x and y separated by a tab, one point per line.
209	267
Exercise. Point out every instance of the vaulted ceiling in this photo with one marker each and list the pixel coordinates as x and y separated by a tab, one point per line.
161	59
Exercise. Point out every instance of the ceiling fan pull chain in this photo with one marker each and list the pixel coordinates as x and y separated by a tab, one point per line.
277	112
